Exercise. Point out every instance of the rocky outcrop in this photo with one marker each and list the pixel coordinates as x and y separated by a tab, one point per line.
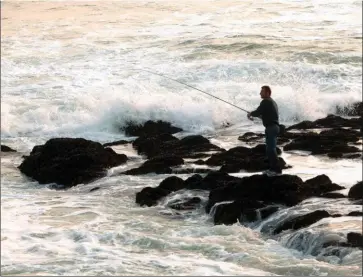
243	158
356	191
165	144
118	142
5	148
69	161
149	196
331	121
354	109
236	199
158	165
302	221
150	128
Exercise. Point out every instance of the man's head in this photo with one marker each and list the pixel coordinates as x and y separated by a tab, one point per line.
265	92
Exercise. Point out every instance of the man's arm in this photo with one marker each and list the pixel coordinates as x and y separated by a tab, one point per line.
258	111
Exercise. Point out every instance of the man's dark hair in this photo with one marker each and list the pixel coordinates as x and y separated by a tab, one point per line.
268	89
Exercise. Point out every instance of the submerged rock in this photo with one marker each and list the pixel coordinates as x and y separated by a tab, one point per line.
302	221
185	204
69	161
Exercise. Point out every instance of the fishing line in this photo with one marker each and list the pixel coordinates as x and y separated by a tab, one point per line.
192	88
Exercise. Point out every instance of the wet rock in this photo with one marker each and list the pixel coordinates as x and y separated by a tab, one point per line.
285	189
353	156
70	161
191	170
243	158
172	183
327	142
5	148
355	109
94	189
355	239
333	195
186	204
251	137
356	191
318	186
193	182
331	121
355	213
150	196
230	213
259	214
187	147
150	128
302	221
158	165
118	142
199	162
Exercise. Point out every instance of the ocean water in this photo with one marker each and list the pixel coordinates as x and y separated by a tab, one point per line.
71	69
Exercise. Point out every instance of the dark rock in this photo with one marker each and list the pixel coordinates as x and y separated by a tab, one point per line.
150	196
319	186
230	213
188	147
189	204
193	182
118	142
355	109
333	195
356	191
341	134
172	183
355	239
243	158
259	214
355	213
285	189
94	189
331	121
191	170
199	162
158	165
150	128
333	142
251	137
152	146
302	221
336	215
353	156
70	161
5	148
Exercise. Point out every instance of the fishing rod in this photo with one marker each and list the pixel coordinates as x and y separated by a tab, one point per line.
193	88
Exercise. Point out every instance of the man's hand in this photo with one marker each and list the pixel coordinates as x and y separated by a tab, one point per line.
249	116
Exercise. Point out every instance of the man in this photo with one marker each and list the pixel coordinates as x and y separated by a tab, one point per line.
268	110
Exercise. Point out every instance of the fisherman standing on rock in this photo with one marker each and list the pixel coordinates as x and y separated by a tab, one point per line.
269	113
